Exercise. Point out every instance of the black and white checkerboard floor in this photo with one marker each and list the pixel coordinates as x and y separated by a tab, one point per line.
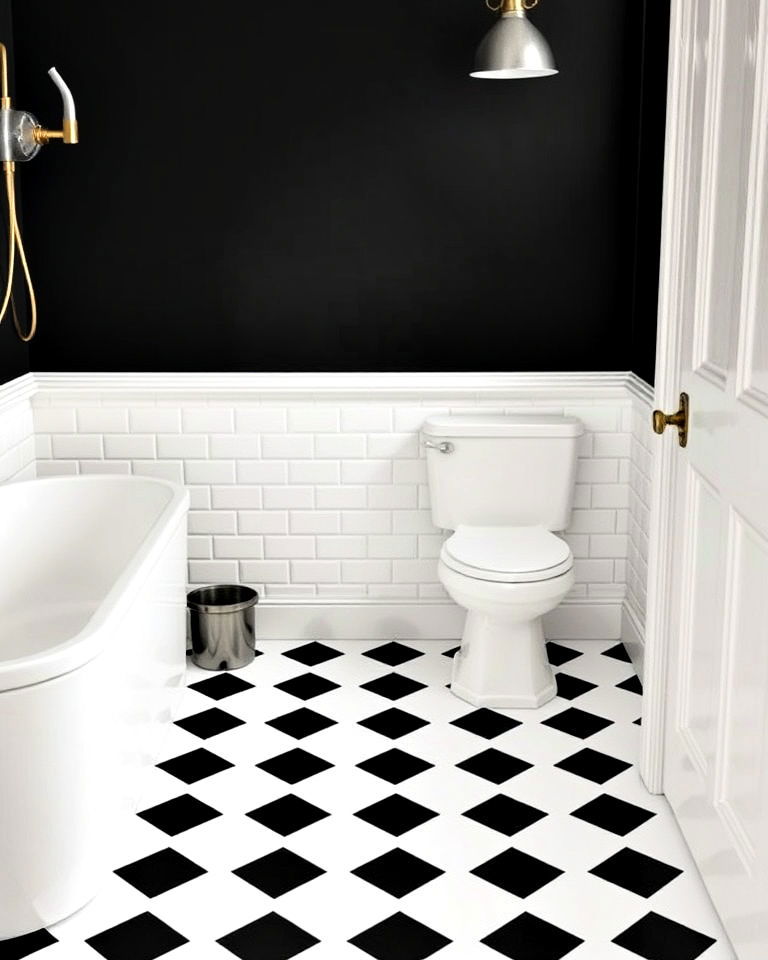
335	800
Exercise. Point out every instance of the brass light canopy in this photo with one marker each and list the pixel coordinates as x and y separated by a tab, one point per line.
513	48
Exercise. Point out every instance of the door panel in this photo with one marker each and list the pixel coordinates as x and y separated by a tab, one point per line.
701	624
742	793
752	378
725	152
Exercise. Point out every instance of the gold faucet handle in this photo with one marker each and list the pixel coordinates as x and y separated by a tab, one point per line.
44	136
68	135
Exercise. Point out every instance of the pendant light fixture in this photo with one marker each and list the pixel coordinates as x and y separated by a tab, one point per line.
513	48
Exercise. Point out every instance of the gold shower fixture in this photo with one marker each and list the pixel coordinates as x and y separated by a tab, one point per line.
21	138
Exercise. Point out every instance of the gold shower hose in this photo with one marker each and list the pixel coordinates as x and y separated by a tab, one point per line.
14	242
14	233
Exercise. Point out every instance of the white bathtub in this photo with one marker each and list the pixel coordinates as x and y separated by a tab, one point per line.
92	654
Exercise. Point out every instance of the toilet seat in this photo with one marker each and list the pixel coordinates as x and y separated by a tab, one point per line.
507	554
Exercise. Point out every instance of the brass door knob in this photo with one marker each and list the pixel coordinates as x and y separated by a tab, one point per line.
663	420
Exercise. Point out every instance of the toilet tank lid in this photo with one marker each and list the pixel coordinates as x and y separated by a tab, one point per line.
501	425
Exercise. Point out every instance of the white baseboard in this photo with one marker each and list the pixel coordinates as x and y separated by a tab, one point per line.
276	620
633	637
584	620
575	620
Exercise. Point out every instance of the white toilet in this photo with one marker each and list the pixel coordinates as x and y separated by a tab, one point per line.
503	484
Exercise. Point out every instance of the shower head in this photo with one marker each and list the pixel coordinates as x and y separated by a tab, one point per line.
69	126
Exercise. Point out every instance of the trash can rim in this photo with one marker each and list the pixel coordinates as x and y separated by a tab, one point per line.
251	599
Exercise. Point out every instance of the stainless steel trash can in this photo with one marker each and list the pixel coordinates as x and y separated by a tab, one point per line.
221	626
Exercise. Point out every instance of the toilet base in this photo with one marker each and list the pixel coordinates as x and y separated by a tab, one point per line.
502	701
502	664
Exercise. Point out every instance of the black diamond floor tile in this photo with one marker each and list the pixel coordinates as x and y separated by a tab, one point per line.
312	654
396	815
278	872
632	685
295	765
307	686
270	938
180	814
578	723
159	872
504	814
517	872
195	765
400	937
610	813
393	654
618	652
393	723
486	723
393	686
141	938
494	765
657	938
222	685
398	872
529	938
395	766
209	723
287	815
637	872
452	652
301	723
593	765
558	654
19	947
570	687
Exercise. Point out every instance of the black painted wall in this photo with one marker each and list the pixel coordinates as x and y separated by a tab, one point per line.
14	355
266	186
650	177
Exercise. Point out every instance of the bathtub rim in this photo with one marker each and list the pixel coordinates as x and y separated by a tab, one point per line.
82	647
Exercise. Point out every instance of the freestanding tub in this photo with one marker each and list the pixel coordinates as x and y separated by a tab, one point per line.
92	654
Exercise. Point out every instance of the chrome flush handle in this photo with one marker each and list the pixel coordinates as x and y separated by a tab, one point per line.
444	447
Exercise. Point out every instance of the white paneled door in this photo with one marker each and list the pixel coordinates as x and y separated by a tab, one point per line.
710	593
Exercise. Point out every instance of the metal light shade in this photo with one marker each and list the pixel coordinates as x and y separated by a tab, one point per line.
513	49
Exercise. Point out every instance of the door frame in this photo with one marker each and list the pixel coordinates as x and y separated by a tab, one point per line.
668	359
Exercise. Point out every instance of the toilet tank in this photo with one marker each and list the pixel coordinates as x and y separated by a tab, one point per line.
487	470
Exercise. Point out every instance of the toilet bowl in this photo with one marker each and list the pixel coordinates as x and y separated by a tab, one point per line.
506	579
503	484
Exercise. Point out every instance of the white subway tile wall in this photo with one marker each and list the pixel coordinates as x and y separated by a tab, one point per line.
329	498
17	442
642	448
